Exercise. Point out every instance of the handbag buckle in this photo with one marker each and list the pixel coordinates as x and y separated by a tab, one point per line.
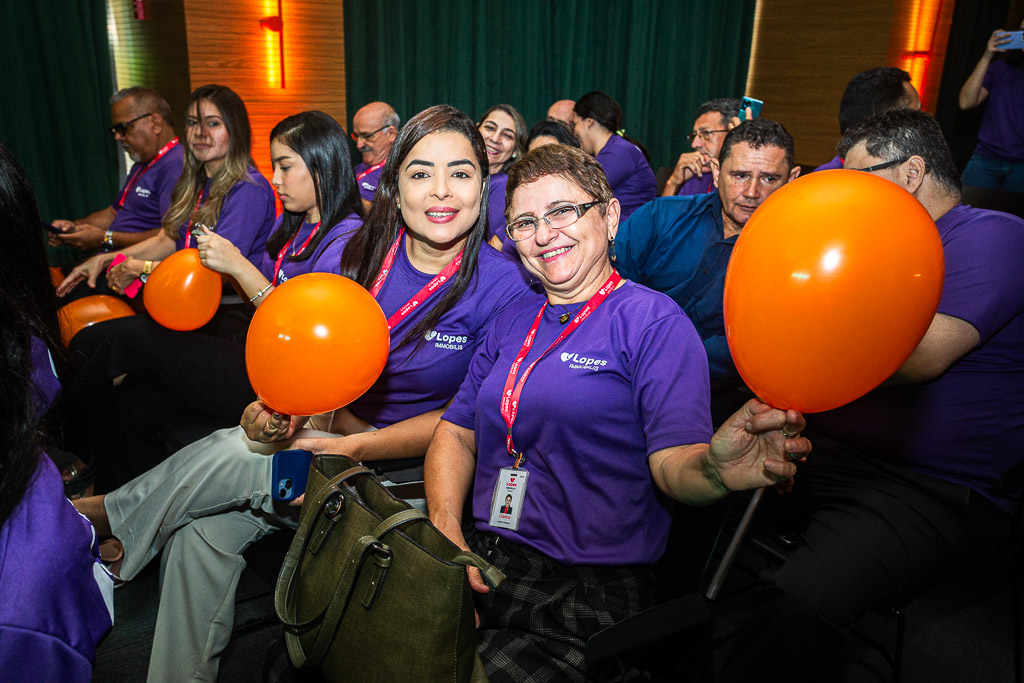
382	556
334	505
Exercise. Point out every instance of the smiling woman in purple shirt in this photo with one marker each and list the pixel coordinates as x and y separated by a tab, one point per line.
597	123
612	426
210	500
504	131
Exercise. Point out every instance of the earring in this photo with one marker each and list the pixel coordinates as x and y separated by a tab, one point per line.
611	249
399	205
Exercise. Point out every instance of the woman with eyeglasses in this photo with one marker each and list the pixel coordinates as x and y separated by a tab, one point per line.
504	131
209	501
597	124
589	405
220	192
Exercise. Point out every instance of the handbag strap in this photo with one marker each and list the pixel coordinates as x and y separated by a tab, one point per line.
492	575
285	601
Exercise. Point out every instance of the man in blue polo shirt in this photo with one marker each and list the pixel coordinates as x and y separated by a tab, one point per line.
142	123
681	245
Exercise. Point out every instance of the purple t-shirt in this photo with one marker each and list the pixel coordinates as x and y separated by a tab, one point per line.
496	206
368	183
326	258
704	184
1002	126
630	176
149	195
629	381
836	163
246	217
56	600
967	426
417	380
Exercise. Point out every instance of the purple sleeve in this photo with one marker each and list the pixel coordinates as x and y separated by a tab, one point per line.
986	82
329	260
671	385
462	411
247	216
984	283
616	166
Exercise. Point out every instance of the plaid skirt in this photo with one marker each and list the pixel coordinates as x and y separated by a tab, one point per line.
534	626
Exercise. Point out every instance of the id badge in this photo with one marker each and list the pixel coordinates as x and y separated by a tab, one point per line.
508	498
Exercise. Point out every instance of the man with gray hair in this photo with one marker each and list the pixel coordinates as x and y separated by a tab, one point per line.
142	123
692	174
374	128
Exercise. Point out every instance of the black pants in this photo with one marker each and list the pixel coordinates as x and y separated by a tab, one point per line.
878	533
178	387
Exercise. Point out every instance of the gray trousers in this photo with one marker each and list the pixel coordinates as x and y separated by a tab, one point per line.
203	507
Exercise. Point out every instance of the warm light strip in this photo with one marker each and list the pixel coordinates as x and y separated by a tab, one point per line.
923	19
270	39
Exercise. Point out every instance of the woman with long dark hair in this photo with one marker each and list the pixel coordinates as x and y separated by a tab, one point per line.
597	123
56	603
423	240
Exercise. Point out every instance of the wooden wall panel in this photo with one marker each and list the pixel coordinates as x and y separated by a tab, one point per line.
804	53
151	52
226	45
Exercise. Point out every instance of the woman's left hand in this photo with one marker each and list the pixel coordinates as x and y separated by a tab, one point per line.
218	253
124	273
756	447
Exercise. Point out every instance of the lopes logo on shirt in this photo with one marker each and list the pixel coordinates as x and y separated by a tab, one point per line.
452	342
368	186
581	362
142	191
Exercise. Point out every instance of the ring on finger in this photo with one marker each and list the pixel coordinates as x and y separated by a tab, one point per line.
788	436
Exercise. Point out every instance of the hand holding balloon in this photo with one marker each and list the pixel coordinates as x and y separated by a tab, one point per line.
264	425
181	294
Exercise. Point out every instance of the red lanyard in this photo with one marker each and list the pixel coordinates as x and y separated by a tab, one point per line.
370	170
421	295
284	249
510	397
138	176
188	228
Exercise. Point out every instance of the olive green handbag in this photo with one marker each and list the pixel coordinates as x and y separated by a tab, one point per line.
370	590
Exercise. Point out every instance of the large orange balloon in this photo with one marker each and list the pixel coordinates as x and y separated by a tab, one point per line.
831	285
90	310
182	293
317	343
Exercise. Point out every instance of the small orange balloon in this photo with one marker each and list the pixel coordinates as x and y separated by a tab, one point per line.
182	293
90	310
831	285
317	343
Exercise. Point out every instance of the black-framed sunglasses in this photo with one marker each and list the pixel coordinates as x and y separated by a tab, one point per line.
884	164
705	135
123	128
558	218
368	136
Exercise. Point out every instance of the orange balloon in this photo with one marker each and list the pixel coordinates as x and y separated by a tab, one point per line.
317	343
90	310
831	285
182	293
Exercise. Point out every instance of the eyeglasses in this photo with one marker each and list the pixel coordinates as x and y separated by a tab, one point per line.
884	164
123	128
368	136
558	218
705	135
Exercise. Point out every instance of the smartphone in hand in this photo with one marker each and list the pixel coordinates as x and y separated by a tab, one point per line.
1016	40
755	107
290	474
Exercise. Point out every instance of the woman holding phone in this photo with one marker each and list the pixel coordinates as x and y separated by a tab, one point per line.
206	504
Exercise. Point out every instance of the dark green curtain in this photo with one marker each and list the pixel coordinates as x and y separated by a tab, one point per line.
55	111
658	59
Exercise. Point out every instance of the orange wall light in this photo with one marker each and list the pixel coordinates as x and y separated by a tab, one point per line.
922	24
274	24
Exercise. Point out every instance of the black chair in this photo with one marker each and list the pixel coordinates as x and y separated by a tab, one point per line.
686	618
